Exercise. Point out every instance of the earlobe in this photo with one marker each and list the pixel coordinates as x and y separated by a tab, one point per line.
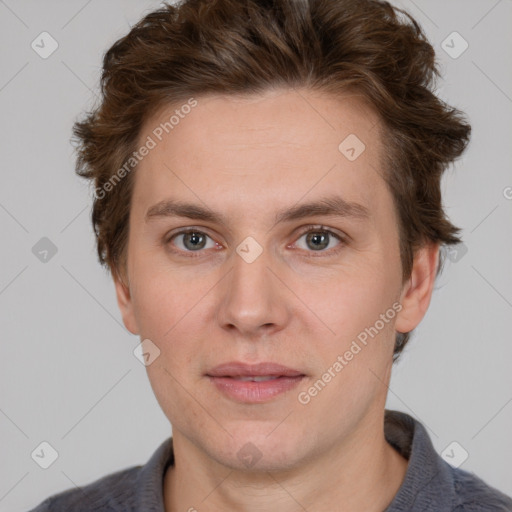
417	292
125	303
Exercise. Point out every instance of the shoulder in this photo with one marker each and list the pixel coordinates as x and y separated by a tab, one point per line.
472	494
132	489
430	482
113	492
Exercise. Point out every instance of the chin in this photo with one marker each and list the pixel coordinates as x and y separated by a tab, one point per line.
257	450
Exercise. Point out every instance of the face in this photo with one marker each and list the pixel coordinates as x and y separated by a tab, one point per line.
288	255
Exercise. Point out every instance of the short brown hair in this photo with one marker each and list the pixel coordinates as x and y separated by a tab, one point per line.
197	47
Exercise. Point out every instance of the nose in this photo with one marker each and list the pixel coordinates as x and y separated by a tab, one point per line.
253	301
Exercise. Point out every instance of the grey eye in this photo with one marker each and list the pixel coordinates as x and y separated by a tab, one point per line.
192	241
318	240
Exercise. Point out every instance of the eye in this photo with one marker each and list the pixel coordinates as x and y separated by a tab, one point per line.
191	240
318	238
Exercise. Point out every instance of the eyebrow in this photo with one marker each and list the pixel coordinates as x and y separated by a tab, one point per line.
329	206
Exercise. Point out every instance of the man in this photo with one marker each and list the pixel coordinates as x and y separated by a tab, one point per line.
267	198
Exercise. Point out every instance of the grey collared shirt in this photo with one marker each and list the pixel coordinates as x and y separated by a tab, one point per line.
430	483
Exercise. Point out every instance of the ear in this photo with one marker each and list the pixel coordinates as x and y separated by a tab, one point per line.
417	292
125	303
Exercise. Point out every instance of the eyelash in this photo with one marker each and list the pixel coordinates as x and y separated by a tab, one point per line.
305	231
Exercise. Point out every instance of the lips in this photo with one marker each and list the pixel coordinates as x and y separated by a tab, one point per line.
243	370
253	383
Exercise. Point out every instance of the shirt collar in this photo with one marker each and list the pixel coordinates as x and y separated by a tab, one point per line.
429	479
150	480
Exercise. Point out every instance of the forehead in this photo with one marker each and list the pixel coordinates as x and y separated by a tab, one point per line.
268	148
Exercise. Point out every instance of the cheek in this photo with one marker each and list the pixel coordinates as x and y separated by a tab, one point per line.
163	298
356	358
171	309
349	301
359	309
167	313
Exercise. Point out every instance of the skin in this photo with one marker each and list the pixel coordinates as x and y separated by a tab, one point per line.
248	157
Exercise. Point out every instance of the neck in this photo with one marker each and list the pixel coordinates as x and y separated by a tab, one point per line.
360	473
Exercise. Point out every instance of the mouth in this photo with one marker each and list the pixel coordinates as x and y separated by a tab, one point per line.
256	383
262	378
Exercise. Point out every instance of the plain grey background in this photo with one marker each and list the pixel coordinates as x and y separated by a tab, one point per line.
68	374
